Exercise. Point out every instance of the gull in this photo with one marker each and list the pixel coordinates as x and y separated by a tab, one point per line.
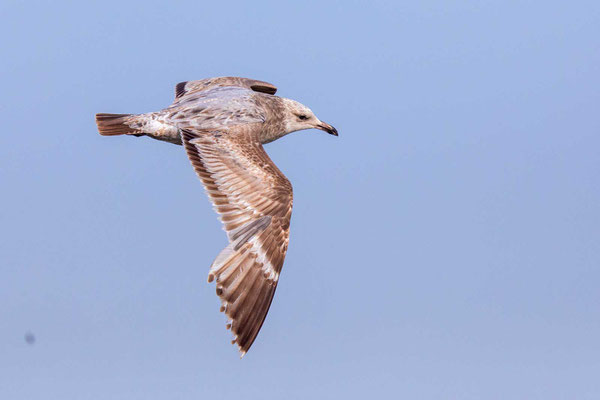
222	124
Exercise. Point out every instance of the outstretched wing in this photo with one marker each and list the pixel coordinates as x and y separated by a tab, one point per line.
185	88
254	200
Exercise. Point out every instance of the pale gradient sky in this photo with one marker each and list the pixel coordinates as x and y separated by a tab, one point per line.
445	246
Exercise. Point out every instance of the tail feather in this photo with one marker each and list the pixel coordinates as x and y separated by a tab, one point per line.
115	124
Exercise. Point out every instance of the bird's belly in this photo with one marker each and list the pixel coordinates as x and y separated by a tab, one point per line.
171	137
163	131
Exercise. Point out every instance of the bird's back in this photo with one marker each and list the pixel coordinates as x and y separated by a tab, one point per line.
216	108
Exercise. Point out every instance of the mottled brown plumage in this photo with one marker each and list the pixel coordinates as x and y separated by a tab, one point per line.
223	124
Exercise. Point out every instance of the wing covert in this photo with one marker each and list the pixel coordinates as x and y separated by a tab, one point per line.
185	88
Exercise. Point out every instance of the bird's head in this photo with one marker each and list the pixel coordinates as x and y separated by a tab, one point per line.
298	117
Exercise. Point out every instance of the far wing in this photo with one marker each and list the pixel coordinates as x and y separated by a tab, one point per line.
185	88
254	200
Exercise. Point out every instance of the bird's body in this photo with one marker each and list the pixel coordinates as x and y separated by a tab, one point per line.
217	108
222	123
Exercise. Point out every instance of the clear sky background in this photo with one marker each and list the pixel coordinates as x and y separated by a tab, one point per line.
445	246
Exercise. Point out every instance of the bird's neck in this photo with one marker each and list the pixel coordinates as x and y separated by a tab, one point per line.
275	126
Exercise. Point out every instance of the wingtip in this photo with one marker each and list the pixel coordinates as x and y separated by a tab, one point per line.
180	89
263	87
240	349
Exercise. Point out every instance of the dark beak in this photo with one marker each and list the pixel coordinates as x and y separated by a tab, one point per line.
327	128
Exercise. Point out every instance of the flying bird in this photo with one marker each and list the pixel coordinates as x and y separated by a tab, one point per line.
223	124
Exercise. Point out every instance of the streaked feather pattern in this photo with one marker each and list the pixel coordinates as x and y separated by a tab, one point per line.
254	200
223	123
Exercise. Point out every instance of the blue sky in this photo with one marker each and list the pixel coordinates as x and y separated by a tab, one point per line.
445	246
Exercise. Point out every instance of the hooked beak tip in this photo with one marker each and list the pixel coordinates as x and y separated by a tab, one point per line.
327	128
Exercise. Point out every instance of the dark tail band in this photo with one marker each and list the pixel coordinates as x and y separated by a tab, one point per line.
114	124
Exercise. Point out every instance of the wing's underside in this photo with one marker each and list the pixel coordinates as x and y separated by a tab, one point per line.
254	200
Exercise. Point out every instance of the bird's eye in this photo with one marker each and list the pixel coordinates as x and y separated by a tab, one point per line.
302	117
